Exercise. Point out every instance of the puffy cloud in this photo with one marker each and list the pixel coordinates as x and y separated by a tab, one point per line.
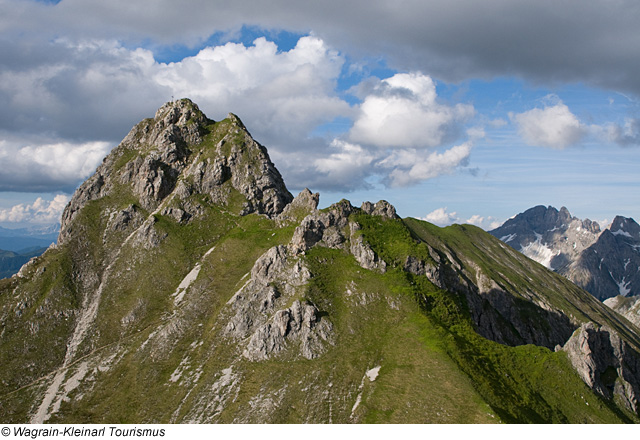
82	91
282	96
48	167
486	223
552	126
39	212
348	165
627	134
396	124
403	112
441	217
454	40
411	166
99	89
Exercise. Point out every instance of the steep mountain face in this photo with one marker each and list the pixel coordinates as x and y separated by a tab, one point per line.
188	285
605	263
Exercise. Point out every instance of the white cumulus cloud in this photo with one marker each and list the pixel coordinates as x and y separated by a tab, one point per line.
413	166
48	167
486	223
403	112
349	162
98	89
280	94
552	126
441	217
39	212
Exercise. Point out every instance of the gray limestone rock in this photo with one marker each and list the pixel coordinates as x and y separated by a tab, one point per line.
363	252
155	160
606	363
610	266
147	236
418	267
603	262
382	208
302	205
121	220
552	238
298	323
324	228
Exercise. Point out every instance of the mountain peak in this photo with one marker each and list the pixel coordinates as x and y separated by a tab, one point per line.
549	236
625	226
180	155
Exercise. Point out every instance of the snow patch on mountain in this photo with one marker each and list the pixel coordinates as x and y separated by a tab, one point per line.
538	251
624	289
621	232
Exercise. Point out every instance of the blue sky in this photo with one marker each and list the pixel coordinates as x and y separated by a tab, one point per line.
451	111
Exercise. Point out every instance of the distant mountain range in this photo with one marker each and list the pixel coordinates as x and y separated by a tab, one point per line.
11	262
605	263
24	239
17	246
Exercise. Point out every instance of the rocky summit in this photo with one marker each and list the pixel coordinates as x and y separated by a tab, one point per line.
189	286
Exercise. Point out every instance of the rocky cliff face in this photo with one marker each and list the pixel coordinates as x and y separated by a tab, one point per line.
605	263
606	363
188	285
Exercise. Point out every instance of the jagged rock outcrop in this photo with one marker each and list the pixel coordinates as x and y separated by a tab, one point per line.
275	280
363	253
381	208
158	149
433	272
606	363
326	228
302	205
280	273
298	323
